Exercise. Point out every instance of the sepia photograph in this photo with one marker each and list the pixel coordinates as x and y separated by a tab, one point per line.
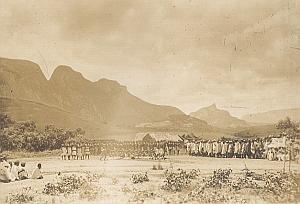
150	102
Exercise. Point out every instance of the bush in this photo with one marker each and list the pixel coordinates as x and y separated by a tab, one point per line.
24	196
141	196
280	187
219	178
66	185
177	181
268	187
139	178
90	192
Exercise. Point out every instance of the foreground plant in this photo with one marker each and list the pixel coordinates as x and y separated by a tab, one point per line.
73	184
24	196
221	187
177	181
139	178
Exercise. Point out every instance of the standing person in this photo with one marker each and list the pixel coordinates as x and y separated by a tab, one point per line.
265	148
252	150
230	149
166	149
219	149
104	151
79	151
188	148
223	152
177	148
161	152
87	151
215	148
236	148
226	149
170	148
205	148
257	149
210	148
156	152
83	150
248	149
74	151
193	148
37	173
200	148
243	149
63	152
69	151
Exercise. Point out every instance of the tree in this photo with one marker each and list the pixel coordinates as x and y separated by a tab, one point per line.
287	127
5	121
286	124
26	136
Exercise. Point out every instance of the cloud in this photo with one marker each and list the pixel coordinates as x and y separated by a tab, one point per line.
185	53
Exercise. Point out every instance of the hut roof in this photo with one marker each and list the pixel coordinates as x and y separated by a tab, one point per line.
159	136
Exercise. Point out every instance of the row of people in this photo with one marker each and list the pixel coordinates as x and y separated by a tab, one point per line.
15	171
73	151
235	148
138	149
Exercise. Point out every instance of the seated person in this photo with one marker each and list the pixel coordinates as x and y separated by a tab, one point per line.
15	171
37	173
23	173
5	175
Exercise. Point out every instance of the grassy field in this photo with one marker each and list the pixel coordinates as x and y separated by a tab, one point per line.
114	177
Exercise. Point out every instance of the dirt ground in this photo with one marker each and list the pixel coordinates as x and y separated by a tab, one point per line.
116	173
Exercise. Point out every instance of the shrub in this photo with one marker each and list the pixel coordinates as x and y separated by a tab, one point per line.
24	196
177	181
66	185
89	192
141	196
139	178
219	178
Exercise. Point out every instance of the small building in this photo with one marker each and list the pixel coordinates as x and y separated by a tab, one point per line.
159	136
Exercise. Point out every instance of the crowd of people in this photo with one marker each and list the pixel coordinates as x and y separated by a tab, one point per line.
15	171
255	149
75	151
235	148
136	149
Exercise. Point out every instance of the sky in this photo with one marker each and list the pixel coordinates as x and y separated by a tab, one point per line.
243	56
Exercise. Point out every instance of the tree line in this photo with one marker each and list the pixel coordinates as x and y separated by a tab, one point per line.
26	135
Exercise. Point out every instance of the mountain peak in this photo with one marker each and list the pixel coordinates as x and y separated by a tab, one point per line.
218	117
63	72
20	66
212	106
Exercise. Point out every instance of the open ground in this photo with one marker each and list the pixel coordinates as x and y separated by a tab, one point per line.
116	174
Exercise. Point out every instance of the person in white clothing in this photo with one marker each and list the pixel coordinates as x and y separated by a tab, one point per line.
15	171
37	173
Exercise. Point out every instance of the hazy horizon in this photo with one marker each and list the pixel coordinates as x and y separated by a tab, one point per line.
241	55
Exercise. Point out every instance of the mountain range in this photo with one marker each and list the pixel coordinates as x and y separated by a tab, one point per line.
104	108
68	97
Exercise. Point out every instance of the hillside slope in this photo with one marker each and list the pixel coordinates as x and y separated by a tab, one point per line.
67	89
104	103
274	116
219	118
